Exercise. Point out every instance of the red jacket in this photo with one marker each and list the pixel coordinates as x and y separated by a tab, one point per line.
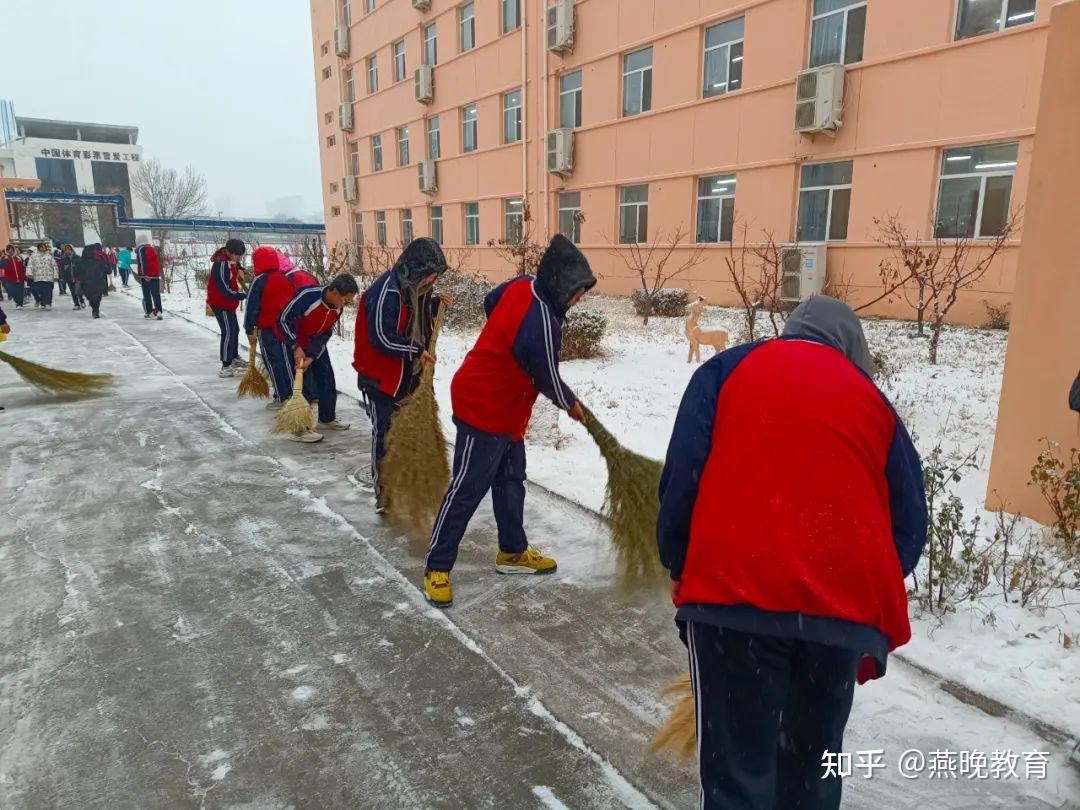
278	290
14	269
222	288
308	321
149	263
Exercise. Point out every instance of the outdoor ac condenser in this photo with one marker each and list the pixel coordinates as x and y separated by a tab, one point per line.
819	99
348	188
421	5
345	116
560	26
341	40
426	174
425	84
560	151
802	272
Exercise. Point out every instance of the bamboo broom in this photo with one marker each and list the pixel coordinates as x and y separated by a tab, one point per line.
56	381
254	383
295	416
631	503
679	734
415	471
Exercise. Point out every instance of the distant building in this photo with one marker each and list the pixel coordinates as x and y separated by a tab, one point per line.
74	157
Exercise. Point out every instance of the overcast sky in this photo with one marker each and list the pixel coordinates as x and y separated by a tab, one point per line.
223	85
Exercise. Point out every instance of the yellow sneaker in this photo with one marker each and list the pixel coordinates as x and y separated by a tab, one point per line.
437	588
530	561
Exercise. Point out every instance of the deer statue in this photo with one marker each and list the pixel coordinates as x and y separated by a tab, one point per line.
717	338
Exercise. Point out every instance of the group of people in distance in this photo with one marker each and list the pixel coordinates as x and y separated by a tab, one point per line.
788	577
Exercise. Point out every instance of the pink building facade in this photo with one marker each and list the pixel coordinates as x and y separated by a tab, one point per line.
683	119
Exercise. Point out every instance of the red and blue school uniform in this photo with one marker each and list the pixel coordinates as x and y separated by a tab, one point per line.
307	321
13	271
223	296
514	360
149	278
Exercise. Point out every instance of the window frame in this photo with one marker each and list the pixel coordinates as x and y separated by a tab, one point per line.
369	6
432	219
829	204
402	136
331	141
430	45
373	74
475	121
513	219
576	92
846	11
346	12
433	154
637	215
476	217
984	177
575	230
726	46
1003	19
517	113
376	152
626	76
327	72
504	5
350	86
354	158
722	197
380	228
358	228
470	22
397	59
405	217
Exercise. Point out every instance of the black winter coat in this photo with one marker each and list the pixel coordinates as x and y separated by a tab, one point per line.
92	272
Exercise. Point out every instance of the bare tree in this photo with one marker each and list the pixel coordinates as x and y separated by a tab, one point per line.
521	250
756	270
931	276
655	263
770	267
170	194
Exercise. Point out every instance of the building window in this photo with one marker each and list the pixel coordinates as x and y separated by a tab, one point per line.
468	128
434	148
466	16
369	6
723	62
380	227
431	45
406	225
376	153
350	87
637	82
715	208
354	157
977	17
335	211
511	15
513	221
836	32
373	74
824	201
346	12
398	51
325	49
570	215
633	215
329	118
472	223
330	140
326	73
570	100
975	191
512	116
403	146
333	188
437	223
358	228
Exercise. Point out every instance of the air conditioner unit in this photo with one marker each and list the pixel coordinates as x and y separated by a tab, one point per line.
560	26
349	188
341	40
421	5
560	151
819	99
802	272
425	84
345	116
426	172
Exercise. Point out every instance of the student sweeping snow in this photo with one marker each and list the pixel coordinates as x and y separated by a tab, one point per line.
792	509
393	329
306	324
515	358
223	296
149	276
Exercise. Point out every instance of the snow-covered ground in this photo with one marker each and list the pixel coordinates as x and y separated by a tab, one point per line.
1012	654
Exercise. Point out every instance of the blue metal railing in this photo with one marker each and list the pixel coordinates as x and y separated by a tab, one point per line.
116	201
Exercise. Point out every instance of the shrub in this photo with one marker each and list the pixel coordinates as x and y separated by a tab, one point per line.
469	290
997	317
663	303
202	277
582	332
1058	479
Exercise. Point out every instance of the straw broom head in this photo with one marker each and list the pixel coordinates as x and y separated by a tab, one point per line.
209	311
56	381
295	415
254	383
679	734
632	504
415	471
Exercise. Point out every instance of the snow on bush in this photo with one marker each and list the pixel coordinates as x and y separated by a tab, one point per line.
469	290
582	332
662	303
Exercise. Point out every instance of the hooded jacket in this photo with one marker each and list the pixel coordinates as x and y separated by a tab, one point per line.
14	270
792	501
222	289
516	356
149	262
123	259
264	261
93	271
67	266
387	338
43	267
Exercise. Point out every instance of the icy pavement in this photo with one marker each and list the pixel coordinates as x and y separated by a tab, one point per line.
196	613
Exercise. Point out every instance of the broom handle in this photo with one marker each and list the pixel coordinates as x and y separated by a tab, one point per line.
440	314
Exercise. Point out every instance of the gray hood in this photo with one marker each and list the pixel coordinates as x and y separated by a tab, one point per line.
835	324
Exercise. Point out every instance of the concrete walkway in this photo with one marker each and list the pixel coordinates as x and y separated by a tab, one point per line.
196	613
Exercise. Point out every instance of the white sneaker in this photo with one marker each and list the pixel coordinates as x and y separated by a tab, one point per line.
274	405
337	424
227	371
308	437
